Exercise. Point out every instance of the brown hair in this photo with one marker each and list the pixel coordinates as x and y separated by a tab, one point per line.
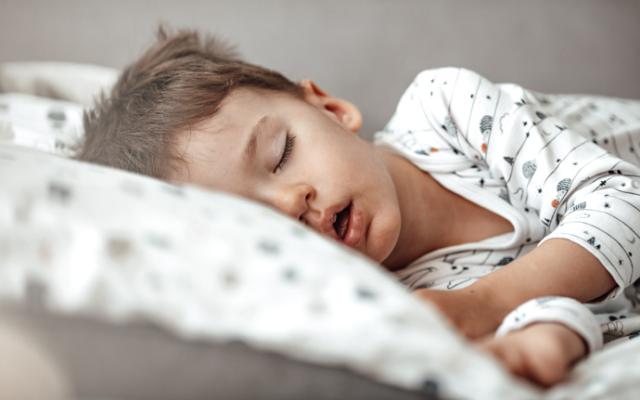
179	81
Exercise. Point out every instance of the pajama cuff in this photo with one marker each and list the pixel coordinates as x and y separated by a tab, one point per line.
564	310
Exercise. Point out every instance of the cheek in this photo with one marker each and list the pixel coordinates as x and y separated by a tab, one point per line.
352	164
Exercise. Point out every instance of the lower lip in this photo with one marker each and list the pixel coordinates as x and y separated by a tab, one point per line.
355	228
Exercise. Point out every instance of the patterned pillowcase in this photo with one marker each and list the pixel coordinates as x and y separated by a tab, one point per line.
82	238
52	126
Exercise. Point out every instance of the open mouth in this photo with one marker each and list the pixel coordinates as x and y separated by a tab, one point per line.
341	224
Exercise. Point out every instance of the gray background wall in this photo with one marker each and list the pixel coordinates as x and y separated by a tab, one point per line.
365	51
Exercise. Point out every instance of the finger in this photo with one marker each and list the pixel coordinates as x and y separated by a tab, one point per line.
485	340
503	350
513	361
545	372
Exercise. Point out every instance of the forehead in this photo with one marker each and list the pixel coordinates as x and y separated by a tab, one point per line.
210	151
241	110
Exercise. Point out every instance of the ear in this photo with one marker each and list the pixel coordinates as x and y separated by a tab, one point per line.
340	110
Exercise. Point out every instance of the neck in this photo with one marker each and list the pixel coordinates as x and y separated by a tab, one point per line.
427	212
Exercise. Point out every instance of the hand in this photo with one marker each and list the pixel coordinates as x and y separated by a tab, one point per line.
471	310
542	352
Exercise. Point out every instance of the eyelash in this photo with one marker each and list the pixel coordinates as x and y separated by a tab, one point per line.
288	147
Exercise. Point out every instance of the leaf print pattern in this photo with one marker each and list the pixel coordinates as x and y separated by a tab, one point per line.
486	124
529	168
563	187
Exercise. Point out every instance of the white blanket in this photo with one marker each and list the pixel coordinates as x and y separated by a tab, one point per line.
119	246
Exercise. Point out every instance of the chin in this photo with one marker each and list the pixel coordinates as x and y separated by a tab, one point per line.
381	249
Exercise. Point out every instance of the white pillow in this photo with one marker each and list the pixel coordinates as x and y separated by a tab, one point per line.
77	83
211	266
41	103
52	126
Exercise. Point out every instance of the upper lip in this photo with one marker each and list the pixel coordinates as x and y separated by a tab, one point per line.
325	224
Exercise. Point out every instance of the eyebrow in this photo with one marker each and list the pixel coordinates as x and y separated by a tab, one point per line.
250	148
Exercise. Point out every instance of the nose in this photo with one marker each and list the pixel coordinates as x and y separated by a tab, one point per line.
294	199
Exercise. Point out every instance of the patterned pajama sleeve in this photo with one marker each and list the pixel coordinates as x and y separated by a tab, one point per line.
575	188
563	310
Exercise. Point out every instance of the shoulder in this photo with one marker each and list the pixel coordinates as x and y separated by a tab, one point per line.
437	86
445	74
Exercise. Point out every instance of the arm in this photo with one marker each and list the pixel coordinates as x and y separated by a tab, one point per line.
557	267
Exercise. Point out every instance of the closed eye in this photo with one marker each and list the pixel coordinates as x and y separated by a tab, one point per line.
288	148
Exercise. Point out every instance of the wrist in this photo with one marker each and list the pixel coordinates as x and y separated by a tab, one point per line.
491	304
466	309
565	311
575	344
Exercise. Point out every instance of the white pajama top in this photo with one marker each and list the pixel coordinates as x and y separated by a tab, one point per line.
555	166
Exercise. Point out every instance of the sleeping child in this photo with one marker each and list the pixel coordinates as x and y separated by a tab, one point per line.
516	213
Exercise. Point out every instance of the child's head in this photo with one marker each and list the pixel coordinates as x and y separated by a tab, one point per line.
178	82
190	111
